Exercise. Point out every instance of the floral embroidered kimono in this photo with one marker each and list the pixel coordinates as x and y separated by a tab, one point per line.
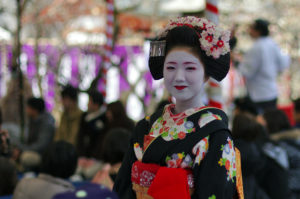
188	155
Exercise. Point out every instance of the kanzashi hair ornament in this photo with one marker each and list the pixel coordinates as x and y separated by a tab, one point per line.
213	40
157	48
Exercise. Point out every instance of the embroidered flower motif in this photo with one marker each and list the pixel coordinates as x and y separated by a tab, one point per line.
171	127
228	159
170	130
207	118
146	178
213	40
138	151
189	125
147	141
179	160
181	135
135	171
180	122
189	111
187	162
200	150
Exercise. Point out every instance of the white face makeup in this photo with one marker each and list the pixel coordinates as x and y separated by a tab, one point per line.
184	77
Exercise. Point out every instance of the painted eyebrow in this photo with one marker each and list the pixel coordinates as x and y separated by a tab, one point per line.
188	62
171	62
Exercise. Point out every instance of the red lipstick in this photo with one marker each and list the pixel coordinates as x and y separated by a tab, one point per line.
180	87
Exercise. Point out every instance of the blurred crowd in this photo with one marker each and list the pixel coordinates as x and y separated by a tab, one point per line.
81	155
85	149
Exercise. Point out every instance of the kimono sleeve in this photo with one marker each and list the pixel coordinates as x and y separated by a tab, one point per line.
215	175
123	184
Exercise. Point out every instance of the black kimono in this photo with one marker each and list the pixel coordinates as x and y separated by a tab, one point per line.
197	140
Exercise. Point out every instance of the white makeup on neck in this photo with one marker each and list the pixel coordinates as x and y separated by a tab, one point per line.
184	78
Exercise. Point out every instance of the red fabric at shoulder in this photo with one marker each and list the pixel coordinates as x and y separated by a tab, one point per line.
170	183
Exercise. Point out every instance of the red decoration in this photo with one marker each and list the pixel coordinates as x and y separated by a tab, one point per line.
212	8
170	183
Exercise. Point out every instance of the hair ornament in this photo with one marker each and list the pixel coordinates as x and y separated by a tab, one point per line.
157	48
213	40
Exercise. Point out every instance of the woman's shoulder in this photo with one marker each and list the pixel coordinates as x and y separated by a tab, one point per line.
209	119
217	113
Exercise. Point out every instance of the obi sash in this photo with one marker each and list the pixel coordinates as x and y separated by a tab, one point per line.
153	181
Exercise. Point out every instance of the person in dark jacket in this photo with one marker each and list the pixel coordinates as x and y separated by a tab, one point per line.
41	130
92	127
115	145
264	176
8	177
281	131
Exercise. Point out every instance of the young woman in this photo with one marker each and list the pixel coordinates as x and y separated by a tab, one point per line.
185	150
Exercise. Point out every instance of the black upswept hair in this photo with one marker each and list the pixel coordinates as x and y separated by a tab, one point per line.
59	160
184	36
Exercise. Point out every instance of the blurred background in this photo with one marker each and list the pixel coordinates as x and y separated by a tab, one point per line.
74	80
63	42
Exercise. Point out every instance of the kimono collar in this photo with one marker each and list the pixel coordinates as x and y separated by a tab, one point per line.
168	112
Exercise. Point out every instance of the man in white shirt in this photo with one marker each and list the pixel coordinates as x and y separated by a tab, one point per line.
261	66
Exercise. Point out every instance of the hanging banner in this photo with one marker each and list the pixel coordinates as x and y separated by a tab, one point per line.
108	46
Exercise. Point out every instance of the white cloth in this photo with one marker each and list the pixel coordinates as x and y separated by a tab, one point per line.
42	187
93	115
261	66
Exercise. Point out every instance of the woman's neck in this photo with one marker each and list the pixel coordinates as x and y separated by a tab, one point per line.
182	106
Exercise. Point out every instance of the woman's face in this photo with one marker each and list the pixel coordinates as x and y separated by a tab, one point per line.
184	75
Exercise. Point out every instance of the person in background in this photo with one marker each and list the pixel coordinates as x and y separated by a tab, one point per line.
4	140
276	121
40	134
88	191
115	145
245	131
247	106
59	162
70	119
297	112
92	130
92	127
244	105
261	66
8	177
117	117
280	131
